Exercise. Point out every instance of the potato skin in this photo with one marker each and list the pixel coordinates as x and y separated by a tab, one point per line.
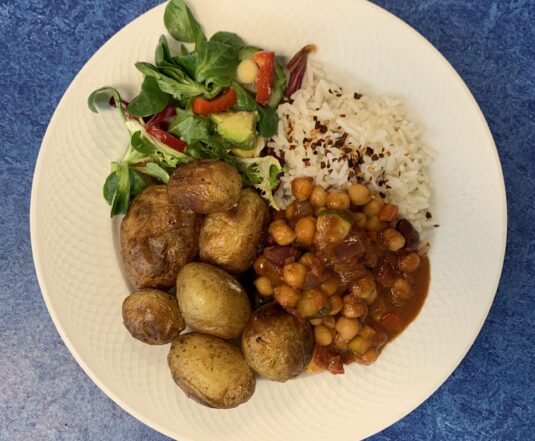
152	316
211	371
212	301
157	239
230	239
205	186
276	344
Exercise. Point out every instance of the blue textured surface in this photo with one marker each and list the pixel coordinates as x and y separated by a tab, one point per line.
44	395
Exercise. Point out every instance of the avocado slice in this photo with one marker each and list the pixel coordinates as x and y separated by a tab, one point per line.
237	127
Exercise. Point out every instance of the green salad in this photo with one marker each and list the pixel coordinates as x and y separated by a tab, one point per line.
214	98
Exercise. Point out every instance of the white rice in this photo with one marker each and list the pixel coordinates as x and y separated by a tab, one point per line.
381	148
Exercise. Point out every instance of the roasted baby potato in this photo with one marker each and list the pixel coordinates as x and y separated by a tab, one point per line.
152	316
276	344
205	186
230	239
157	239
212	301
211	371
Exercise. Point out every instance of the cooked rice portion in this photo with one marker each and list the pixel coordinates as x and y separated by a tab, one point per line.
338	136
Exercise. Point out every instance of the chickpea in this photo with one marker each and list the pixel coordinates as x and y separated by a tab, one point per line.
286	296
329	321
340	343
246	71
378	310
311	303
349	299
336	304
372	298
323	335
313	263
367	332
338	200
290	211
294	274
354	310
305	229
302	188
370	356
409	263
259	265
359	345
401	289
329	287
276	223
360	220
316	321
359	194
347	328
319	210
374	206
379	339
374	224
281	232
318	198
393	239
264	286
364	288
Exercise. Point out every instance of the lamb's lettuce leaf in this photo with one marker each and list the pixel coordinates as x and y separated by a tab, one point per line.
181	23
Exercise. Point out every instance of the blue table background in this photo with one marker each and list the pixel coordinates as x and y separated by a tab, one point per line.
45	395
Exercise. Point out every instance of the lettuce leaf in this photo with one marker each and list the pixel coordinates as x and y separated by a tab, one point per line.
262	174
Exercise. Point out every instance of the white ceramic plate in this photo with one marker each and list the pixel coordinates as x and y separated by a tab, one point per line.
76	253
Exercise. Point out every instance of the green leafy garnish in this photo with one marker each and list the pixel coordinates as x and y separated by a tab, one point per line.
175	82
102	96
216	64
188	62
110	185
190	127
229	38
138	182
162	53
151	99
262	174
269	121
154	170
121	197
245	99
247	52
141	144
279	86
181	24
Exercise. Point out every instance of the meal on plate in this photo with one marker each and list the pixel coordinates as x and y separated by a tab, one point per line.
275	223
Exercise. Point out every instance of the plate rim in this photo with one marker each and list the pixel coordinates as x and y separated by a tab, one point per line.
424	396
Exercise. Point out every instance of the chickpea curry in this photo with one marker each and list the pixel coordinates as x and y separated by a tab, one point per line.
346	262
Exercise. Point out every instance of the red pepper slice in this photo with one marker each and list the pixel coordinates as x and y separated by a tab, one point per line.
224	101
264	76
166	138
